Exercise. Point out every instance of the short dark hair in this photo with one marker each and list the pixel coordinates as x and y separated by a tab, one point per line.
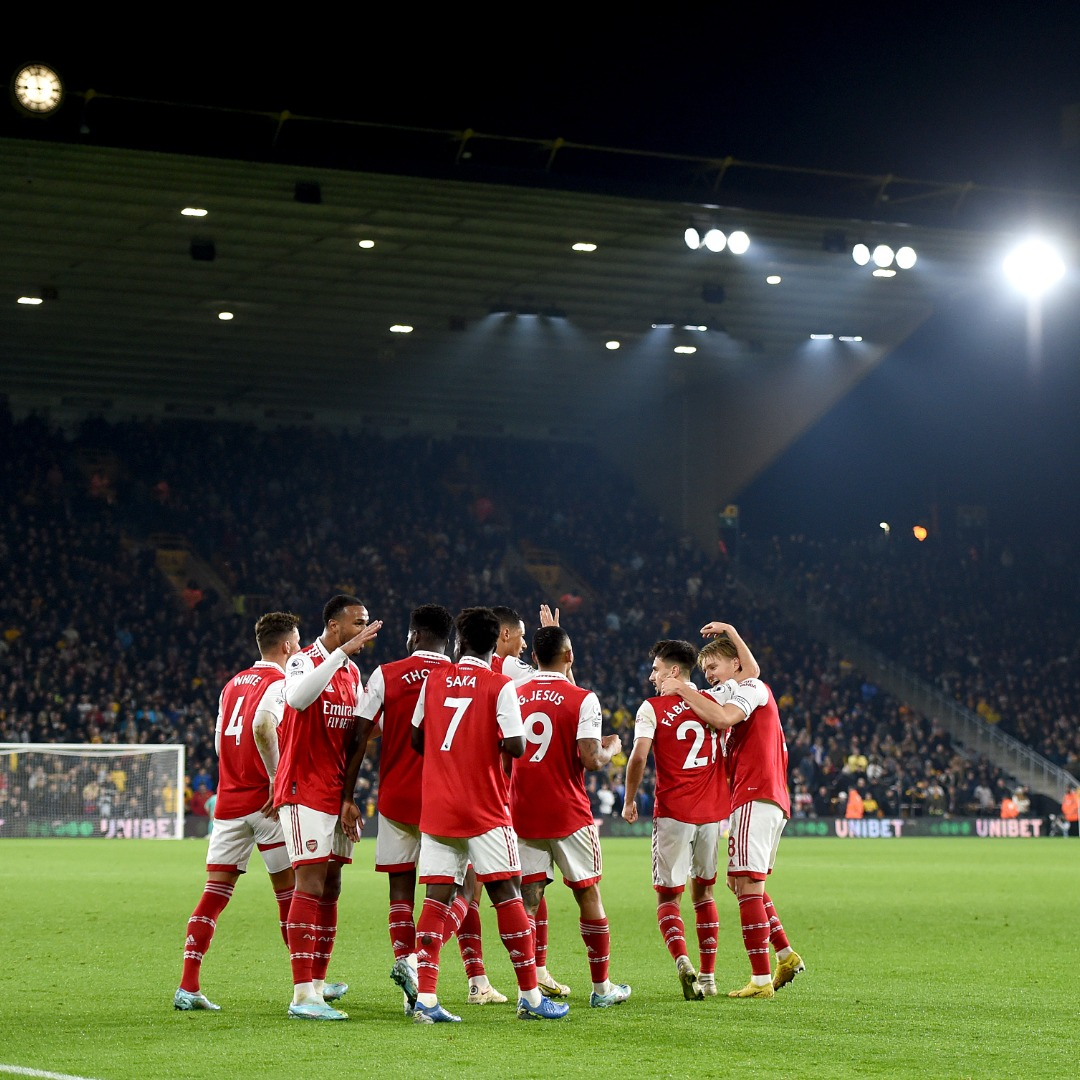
432	621
478	630
549	643
507	616
675	651
337	604
273	628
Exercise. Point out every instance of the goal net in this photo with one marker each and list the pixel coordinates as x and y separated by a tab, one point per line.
131	792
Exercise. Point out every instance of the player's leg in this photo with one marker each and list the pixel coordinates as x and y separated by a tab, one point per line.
703	869
579	858
309	839
442	866
326	934
788	962
754	827
275	856
671	867
397	849
201	924
227	856
498	867
537	868
471	943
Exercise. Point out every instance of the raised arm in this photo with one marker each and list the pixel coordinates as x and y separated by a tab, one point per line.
751	669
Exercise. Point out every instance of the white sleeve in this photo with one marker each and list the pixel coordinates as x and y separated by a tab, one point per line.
645	721
723	693
375	696
590	718
220	725
304	682
749	695
418	711
517	669
509	712
273	701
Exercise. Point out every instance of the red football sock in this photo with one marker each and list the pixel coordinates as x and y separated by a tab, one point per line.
200	931
708	929
776	931
472	948
541	933
402	929
671	924
326	934
284	901
303	923
517	936
597	940
458	910
755	932
430	935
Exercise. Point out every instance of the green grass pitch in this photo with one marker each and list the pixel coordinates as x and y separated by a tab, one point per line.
926	958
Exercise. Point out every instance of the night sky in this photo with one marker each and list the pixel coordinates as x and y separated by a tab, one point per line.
971	409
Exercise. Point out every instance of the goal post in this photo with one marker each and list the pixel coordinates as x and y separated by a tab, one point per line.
126	791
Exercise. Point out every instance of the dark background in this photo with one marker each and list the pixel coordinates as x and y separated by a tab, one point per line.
978	407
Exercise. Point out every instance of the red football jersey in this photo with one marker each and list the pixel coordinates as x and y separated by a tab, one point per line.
315	741
390	701
547	785
243	783
466	709
690	782
756	751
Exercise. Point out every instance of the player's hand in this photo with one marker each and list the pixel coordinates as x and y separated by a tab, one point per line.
629	811
267	809
715	629
546	618
352	824
369	633
612	743
672	685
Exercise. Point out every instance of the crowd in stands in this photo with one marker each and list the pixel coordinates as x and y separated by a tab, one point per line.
97	645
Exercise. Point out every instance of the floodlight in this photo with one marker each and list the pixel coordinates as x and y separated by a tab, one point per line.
1033	267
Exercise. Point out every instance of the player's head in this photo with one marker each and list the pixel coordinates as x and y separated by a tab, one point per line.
671	658
343	618
511	631
477	631
719	660
551	649
430	628
277	633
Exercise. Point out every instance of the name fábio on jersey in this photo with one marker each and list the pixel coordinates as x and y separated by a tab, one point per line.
675	712
337	714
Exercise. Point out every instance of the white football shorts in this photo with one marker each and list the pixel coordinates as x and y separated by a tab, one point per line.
577	856
233	840
397	846
312	836
754	838
681	850
494	856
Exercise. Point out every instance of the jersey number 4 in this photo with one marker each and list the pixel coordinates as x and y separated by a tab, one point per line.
236	722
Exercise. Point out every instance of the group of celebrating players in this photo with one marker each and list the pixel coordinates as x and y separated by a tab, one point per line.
481	787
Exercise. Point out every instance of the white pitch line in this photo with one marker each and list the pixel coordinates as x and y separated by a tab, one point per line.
18	1070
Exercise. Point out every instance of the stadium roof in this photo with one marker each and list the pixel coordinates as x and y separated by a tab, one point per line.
133	291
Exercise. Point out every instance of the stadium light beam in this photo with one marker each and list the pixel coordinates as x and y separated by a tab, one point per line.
1033	267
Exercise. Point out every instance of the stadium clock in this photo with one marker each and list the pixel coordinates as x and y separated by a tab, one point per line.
37	90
